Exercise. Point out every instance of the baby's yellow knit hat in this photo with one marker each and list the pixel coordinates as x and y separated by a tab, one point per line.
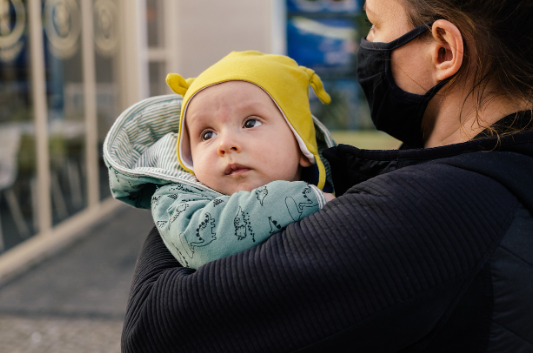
279	76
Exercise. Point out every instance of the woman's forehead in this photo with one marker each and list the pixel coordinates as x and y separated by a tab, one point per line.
389	18
384	8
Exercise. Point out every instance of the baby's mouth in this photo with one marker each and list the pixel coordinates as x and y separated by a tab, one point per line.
236	169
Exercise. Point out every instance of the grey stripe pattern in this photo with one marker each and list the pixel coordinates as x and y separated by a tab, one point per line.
143	140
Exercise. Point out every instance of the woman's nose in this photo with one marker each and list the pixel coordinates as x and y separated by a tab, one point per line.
228	143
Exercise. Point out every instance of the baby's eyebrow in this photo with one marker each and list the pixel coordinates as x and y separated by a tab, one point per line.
195	120
189	125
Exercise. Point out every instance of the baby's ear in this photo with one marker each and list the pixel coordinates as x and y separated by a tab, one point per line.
304	161
178	84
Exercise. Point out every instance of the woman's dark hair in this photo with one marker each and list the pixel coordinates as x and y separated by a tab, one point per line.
498	40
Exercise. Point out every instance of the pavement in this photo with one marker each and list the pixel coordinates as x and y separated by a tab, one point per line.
75	301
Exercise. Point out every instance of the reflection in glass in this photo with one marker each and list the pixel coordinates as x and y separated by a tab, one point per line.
17	130
65	95
106	44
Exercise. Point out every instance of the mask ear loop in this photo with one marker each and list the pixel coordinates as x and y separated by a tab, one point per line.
178	84
316	83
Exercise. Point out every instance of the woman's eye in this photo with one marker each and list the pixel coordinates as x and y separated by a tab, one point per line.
207	135
250	123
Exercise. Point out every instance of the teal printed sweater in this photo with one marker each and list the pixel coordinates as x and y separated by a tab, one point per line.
199	226
144	172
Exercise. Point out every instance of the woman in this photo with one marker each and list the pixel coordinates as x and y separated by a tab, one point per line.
426	249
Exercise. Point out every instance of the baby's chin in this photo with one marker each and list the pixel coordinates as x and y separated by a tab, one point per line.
232	189
246	188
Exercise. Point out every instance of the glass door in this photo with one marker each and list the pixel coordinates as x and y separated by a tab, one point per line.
66	107
18	205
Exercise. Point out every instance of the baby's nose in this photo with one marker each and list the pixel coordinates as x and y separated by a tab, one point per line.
227	144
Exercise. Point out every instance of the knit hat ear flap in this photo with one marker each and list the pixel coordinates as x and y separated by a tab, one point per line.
178	84
318	87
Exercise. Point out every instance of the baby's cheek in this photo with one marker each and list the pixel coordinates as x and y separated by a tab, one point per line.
202	177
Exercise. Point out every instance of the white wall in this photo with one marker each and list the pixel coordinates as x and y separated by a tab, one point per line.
207	30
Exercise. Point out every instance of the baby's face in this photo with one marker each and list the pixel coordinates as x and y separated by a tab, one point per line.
239	139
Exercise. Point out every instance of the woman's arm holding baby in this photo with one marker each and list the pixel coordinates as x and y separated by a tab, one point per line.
363	268
201	226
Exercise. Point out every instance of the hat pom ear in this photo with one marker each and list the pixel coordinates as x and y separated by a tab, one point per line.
178	84
318	86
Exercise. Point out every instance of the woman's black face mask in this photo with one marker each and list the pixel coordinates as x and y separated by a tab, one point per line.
392	110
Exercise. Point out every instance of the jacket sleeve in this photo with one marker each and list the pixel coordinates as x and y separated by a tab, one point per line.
199	226
378	269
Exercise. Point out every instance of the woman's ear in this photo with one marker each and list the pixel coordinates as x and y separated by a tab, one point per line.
448	52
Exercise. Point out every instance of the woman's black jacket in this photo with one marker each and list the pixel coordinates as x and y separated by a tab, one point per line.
426	250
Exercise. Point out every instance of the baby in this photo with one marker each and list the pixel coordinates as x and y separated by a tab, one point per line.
247	133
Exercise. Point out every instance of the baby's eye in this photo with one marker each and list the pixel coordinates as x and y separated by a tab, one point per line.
208	135
250	123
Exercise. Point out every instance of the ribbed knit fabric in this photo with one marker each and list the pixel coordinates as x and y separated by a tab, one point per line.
423	251
407	241
512	324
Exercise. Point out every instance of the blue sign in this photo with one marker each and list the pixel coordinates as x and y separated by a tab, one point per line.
325	6
327	45
323	35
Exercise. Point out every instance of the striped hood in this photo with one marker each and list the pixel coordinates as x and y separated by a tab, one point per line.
140	150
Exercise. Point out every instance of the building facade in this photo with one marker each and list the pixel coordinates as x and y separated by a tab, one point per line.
67	70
